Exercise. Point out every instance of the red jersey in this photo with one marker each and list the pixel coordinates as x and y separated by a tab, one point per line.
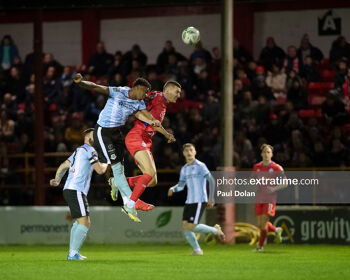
268	171
156	104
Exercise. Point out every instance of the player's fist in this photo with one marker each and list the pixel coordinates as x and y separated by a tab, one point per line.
54	183
270	189
170	192
155	123
171	138
211	203
77	78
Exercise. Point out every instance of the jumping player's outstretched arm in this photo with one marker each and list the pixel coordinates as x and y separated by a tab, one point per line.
146	117
60	173
78	79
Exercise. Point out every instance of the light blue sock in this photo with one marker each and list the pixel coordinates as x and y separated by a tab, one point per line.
120	181
79	236
191	238
74	226
205	229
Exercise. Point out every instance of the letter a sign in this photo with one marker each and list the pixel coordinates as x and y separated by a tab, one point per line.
329	24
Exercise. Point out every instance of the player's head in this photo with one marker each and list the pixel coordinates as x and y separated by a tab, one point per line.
140	89
172	91
189	151
266	152
89	136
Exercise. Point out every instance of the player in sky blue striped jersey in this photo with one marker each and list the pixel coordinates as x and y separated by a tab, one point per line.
80	165
194	174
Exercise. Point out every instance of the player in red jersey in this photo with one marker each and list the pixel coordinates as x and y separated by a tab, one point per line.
267	196
139	143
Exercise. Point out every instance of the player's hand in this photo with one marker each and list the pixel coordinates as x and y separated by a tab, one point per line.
77	78
171	138
155	123
170	192
211	203
54	183
270	189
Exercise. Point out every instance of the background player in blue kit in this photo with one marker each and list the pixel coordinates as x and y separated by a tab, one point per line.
81	165
194	175
108	137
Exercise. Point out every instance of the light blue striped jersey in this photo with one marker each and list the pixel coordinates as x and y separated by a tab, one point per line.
80	169
194	177
119	107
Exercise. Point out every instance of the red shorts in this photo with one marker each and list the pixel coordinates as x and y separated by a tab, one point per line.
265	209
137	140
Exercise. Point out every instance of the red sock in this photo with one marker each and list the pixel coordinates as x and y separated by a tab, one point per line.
140	186
132	180
270	227
262	237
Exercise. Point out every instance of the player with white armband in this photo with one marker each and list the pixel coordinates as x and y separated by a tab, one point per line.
80	165
194	174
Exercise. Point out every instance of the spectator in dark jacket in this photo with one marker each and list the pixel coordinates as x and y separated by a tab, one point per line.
306	49
297	95
310	70
200	52
134	54
241	53
163	57
271	54
100	62
340	50
292	62
8	52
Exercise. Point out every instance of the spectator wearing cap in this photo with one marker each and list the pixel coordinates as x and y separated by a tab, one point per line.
291	62
271	54
261	89
306	49
8	52
274	131
340	50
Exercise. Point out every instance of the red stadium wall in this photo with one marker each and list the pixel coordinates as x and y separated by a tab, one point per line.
90	18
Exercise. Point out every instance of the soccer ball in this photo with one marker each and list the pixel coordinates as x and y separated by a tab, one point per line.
190	36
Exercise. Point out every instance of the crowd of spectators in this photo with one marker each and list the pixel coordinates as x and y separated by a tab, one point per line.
271	101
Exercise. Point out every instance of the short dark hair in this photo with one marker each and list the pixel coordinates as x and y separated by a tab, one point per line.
142	82
87	131
264	146
187	145
172	83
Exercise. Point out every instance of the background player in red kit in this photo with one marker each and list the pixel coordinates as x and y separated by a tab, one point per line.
139	143
263	211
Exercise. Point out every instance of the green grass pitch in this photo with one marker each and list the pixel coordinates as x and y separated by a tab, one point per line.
173	261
